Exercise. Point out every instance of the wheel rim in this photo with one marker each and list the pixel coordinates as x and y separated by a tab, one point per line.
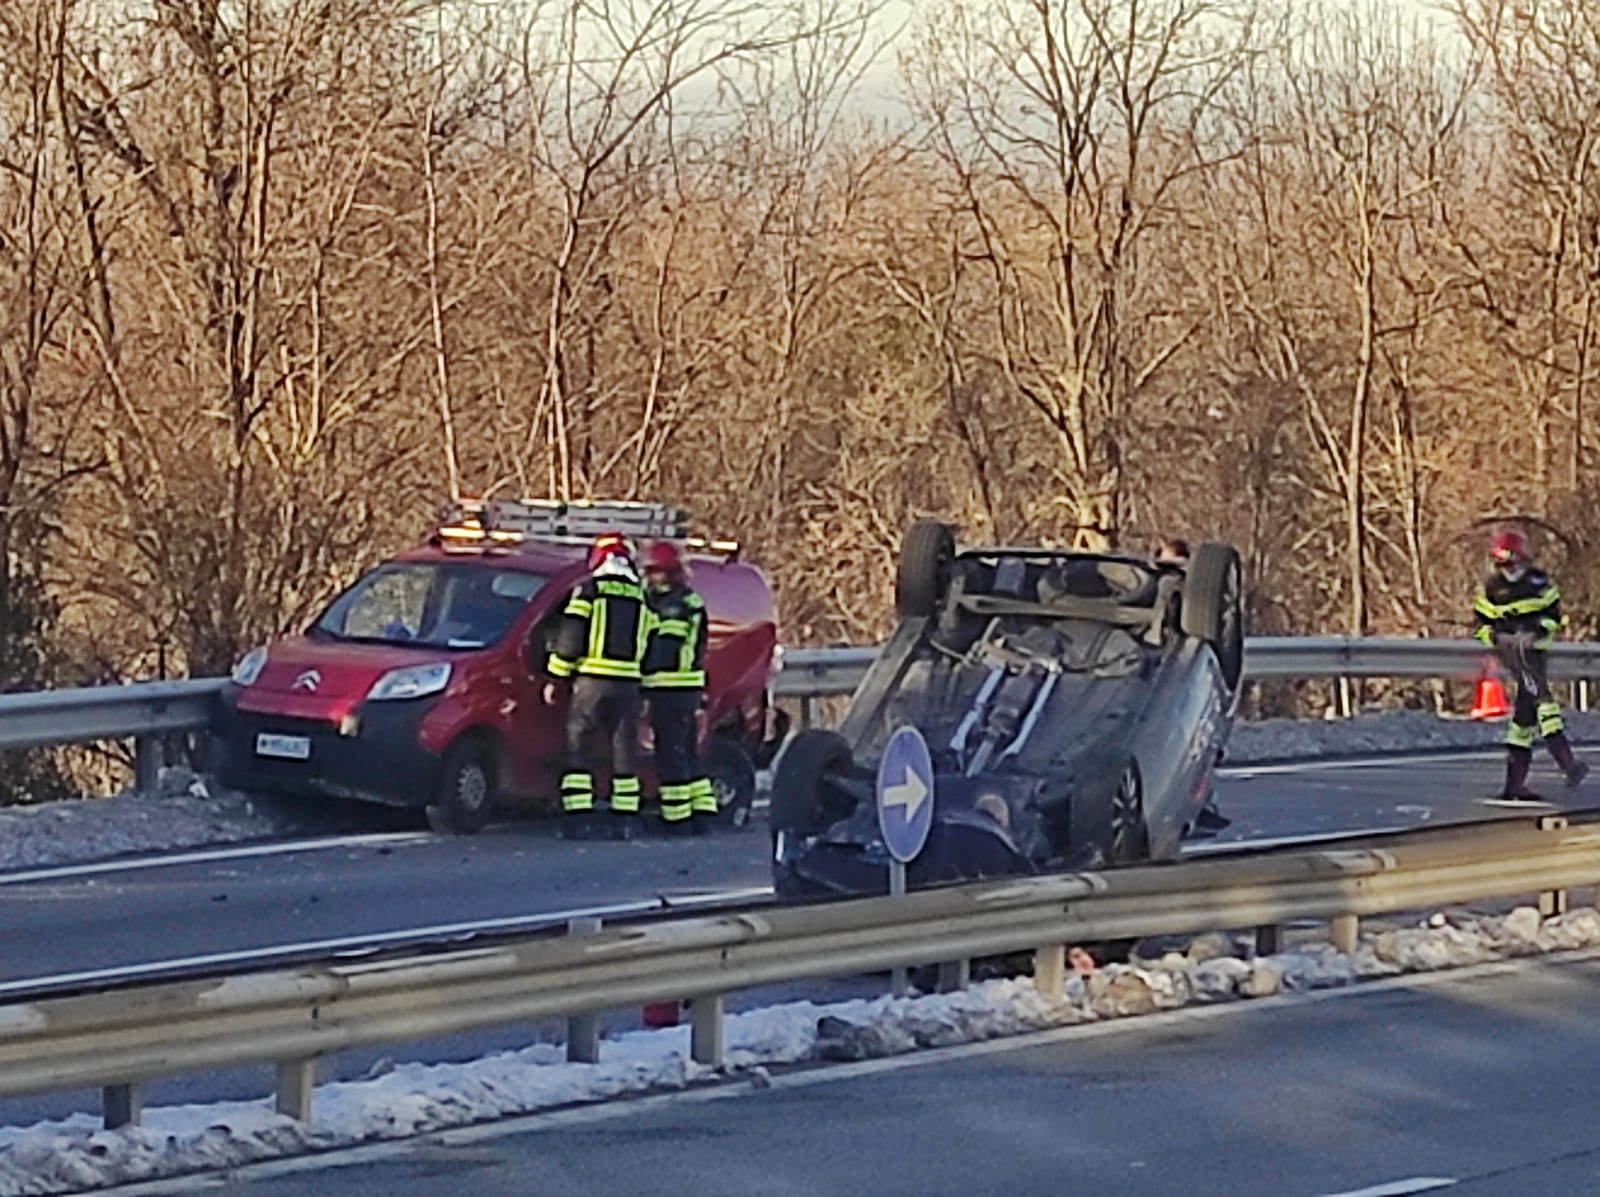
1127	814
472	788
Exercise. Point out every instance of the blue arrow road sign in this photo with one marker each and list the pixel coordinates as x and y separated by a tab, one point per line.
905	794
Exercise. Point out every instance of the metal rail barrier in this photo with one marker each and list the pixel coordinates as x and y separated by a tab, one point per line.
144	711
128	1034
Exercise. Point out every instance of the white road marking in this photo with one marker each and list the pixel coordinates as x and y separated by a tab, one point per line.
1245	771
1213	848
175	859
1400	1188
631	1108
361	944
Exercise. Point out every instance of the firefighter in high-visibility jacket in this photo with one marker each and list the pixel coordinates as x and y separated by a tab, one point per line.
675	687
600	648
1518	613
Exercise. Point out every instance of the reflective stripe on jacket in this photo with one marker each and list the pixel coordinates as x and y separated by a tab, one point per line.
605	630
676	658
1530	604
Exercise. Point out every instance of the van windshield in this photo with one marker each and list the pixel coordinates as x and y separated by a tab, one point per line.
446	605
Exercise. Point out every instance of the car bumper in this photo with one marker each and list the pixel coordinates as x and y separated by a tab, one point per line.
383	760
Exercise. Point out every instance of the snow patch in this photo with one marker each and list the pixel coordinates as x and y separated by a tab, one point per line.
396	1101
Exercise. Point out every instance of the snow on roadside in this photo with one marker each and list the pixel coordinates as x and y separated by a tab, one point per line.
75	1154
183	813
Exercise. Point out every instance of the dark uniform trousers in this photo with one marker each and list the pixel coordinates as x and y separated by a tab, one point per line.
602	708
684	789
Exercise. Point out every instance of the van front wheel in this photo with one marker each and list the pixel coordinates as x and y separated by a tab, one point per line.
464	794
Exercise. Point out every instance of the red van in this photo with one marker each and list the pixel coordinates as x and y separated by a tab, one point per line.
421	685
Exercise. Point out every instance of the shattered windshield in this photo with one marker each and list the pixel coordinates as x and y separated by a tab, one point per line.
436	605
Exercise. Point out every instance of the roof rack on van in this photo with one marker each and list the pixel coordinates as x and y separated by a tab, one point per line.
479	523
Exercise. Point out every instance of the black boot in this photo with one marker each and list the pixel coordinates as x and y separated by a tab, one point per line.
1561	749
1518	761
577	825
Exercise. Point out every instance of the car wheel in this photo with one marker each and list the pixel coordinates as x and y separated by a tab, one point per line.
926	557
733	778
464	795
803	803
1130	837
1213	608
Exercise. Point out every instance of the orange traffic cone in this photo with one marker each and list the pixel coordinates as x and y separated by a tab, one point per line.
1491	701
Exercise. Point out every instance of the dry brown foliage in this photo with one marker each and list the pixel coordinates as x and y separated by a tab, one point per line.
277	275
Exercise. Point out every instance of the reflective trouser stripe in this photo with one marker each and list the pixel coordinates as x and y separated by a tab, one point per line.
1519	736
577	792
1550	722
676	803
625	795
703	796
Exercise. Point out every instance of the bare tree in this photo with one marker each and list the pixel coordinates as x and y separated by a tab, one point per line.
1064	128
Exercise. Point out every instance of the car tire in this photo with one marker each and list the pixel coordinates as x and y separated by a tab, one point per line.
799	804
1213	606
464	795
926	557
1129	834
733	777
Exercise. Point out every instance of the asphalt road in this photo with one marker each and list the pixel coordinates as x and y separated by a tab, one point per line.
1488	1081
83	918
77	918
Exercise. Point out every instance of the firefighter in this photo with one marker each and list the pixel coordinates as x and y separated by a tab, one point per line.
675	684
600	647
1518	611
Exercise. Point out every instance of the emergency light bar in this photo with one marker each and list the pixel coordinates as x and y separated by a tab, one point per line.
475	523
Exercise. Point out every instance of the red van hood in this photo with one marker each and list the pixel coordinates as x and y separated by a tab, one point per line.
335	669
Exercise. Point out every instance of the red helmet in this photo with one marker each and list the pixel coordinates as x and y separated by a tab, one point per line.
663	557
606	546
1508	547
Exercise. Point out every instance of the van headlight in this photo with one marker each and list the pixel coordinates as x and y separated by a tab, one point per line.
414	681
249	667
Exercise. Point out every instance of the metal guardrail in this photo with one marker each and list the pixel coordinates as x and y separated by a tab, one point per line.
145	710
830	672
133	1033
140	711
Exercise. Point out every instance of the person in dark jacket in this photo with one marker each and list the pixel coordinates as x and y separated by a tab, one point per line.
600	648
675	686
1518	613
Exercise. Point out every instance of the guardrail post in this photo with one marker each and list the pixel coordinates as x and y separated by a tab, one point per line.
705	1030
805	711
146	763
1345	932
122	1105
1269	939
583	1030
1583	694
1552	901
954	975
296	1080
1050	970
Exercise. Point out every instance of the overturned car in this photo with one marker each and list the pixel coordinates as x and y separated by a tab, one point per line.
1074	704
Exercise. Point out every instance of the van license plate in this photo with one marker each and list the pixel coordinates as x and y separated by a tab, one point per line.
294	748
